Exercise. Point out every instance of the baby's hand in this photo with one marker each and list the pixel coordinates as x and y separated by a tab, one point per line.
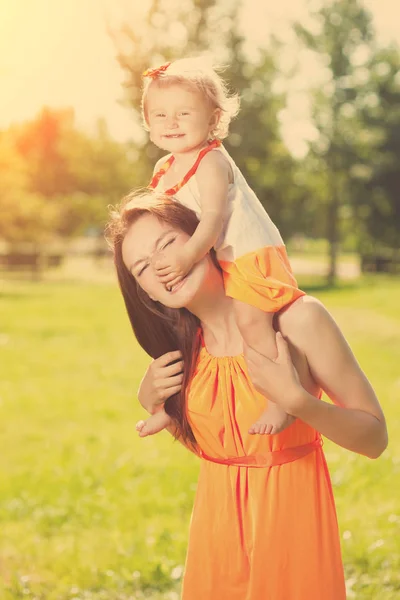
172	268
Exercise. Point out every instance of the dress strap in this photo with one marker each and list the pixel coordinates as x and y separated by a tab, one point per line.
200	337
164	168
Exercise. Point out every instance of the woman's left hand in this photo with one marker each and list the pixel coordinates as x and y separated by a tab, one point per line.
276	379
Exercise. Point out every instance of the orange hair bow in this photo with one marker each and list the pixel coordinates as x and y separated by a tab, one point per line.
154	73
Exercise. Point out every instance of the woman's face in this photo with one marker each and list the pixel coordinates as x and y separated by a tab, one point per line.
145	238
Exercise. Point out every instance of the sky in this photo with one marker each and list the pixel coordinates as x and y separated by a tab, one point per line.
58	53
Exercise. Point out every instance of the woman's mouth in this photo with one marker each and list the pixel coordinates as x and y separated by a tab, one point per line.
176	287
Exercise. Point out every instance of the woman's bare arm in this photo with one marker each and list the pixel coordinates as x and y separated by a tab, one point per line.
160	381
355	421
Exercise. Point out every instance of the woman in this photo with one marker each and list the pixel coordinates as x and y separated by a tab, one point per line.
264	523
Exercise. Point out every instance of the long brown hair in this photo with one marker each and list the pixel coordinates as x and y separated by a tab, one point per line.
157	328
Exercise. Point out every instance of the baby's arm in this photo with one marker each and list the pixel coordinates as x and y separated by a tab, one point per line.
213	177
214	174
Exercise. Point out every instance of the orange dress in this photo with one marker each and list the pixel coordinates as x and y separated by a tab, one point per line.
264	523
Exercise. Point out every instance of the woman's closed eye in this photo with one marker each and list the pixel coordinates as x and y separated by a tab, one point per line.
168	243
143	269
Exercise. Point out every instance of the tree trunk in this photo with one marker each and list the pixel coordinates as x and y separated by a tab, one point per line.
332	233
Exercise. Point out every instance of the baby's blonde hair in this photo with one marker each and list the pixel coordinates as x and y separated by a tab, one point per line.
196	74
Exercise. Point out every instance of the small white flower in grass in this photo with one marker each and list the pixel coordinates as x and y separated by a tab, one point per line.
347	535
393	518
150	540
350	593
136	575
376	544
74	590
110	573
176	572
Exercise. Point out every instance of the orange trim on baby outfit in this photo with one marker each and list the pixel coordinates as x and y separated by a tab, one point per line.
164	168
262	278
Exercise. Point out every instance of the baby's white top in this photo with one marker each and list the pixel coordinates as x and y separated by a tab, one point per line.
247	226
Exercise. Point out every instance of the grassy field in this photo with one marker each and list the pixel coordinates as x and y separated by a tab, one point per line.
90	512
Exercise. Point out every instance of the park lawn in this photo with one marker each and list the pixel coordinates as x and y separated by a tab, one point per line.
88	511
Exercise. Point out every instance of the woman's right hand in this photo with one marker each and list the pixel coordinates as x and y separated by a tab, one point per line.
161	381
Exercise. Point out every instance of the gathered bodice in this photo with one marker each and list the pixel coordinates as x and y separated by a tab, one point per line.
223	404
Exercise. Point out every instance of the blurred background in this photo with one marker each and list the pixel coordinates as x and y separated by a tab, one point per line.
87	510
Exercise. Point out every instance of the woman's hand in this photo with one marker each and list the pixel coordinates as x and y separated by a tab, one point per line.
276	379
161	381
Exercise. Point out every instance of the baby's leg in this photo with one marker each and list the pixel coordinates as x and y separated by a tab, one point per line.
153	424
257	331
256	328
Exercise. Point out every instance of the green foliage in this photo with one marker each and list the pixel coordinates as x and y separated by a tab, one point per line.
343	33
58	181
24	213
88	511
357	115
381	183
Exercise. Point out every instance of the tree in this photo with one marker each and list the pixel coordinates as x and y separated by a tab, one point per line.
378	200
58	180
25	215
344	34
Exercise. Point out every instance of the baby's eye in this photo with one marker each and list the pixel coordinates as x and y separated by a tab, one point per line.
184	113
160	115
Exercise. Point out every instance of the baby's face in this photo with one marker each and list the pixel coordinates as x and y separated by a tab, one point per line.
180	119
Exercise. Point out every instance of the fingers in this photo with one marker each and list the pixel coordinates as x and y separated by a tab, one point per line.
169	357
174	390
283	349
166	386
175	281
175	369
280	340
163	273
170	278
171	381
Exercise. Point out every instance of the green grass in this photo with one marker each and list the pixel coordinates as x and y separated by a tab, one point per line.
90	512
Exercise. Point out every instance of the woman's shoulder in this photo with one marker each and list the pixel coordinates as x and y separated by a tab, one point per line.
304	316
